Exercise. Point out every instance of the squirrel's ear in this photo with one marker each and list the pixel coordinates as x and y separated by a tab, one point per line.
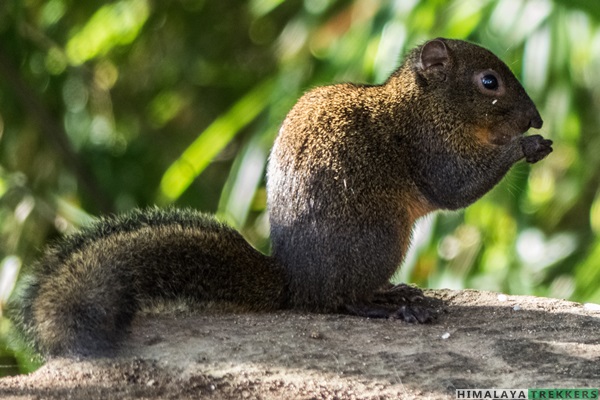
434	54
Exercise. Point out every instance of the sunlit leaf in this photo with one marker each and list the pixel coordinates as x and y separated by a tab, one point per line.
112	25
210	142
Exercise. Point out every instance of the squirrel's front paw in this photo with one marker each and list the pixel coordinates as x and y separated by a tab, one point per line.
535	148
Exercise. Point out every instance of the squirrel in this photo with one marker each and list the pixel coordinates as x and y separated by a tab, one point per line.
351	170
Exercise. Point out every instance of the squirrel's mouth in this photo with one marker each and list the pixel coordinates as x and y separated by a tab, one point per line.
517	124
504	134
517	127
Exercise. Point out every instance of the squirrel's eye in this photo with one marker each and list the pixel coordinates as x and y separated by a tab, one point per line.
489	82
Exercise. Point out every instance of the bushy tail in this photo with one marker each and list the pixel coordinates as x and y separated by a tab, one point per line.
84	291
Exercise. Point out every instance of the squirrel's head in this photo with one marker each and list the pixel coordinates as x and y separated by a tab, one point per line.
476	87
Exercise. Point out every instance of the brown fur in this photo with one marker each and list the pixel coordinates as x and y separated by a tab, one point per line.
354	166
352	169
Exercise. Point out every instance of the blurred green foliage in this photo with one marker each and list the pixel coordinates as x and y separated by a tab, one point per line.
105	106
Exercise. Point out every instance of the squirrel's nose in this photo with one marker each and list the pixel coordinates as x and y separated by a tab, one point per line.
536	122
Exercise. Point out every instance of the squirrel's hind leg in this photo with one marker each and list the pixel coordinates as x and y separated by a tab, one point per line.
401	301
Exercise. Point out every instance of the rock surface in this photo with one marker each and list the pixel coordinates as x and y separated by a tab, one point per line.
479	340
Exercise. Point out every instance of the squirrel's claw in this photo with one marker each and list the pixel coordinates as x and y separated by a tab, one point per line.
398	294
413	314
407	312
396	302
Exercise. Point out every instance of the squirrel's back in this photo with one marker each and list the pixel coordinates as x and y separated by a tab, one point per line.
354	166
338	194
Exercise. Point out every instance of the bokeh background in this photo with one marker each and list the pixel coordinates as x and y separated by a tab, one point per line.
110	105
